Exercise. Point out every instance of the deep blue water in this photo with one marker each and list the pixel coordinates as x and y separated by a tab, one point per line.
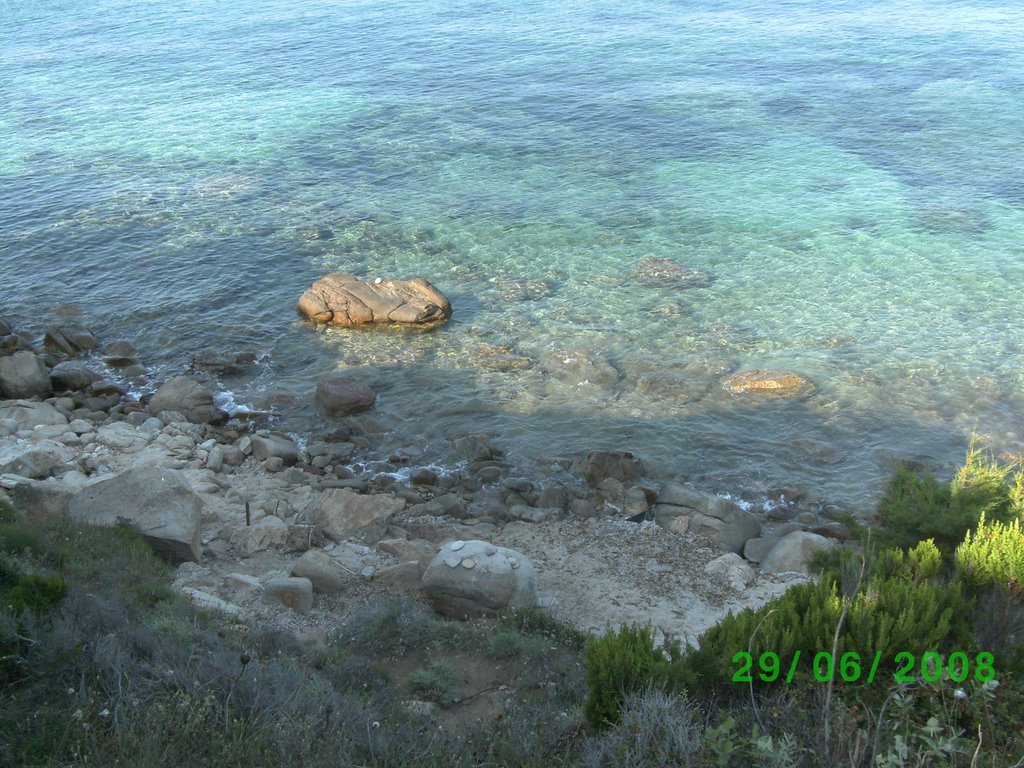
848	173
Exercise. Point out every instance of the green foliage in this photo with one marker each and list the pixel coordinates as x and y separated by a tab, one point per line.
894	610
16	539
435	683
979	487
725	747
7	513
925	559
619	663
916	506
993	554
36	592
9	573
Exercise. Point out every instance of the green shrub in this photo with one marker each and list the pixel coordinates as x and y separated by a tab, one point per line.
37	592
925	559
895	610
7	513
980	487
435	683
623	662
993	554
916	506
9	573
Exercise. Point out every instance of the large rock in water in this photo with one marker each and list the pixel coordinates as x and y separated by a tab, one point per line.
343	299
188	397
475	578
159	503
342	395
70	339
24	375
779	384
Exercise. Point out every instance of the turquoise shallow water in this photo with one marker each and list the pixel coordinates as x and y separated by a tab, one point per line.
848	173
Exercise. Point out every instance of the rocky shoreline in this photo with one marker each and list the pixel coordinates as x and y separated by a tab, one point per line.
300	530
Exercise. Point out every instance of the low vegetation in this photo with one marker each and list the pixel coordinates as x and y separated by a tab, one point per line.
906	651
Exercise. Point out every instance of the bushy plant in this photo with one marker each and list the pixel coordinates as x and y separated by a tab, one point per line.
7	513
619	663
888	614
655	728
435	683
36	592
993	554
916	506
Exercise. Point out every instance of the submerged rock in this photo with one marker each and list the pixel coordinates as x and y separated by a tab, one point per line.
70	339
343	299
342	395
671	273
758	381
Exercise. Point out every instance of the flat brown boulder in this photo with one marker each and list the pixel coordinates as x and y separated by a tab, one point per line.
343	299
758	381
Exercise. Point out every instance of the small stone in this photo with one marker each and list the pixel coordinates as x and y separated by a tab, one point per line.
469	563
452	562
457	545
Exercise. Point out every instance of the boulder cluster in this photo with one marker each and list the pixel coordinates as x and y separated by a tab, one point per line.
257	517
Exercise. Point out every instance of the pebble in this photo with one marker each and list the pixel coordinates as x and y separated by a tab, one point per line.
457	545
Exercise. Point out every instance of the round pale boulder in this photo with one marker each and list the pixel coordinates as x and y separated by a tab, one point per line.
343	299
475	578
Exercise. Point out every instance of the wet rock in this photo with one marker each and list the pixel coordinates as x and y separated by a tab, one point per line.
292	592
24	375
601	465
343	514
666	272
72	376
500	358
268	445
69	339
188	397
423	476
476	448
833	530
12	343
777	384
580	366
343	395
29	414
795	551
343	299
475	578
5	327
159	503
224	363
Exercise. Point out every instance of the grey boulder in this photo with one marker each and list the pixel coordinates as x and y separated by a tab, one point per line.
159	503
475	578
189	397
24	375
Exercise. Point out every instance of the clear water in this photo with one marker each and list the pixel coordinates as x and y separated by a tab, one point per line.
849	172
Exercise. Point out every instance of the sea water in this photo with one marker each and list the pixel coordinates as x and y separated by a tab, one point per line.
847	174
